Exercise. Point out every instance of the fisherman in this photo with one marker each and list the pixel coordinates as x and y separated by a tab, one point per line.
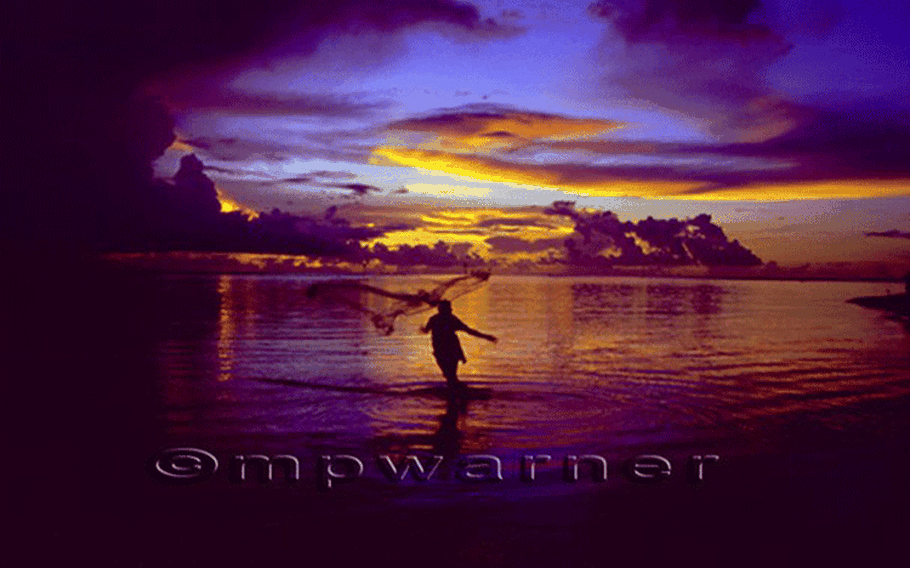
446	347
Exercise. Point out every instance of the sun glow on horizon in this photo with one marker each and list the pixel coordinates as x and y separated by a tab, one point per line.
229	205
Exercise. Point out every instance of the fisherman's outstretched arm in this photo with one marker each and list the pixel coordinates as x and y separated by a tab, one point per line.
480	334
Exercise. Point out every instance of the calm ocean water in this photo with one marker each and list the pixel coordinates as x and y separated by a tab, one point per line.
583	365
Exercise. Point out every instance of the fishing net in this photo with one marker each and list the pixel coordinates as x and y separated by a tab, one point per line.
384	306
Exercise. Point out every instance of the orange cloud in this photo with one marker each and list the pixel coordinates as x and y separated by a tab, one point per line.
590	180
632	181
180	145
489	131
475	226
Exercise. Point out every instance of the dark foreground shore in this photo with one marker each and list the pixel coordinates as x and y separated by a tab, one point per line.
898	304
833	506
820	498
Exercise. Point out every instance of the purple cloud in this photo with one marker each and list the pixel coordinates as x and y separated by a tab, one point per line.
601	239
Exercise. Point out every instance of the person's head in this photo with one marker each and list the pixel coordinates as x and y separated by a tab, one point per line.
445	307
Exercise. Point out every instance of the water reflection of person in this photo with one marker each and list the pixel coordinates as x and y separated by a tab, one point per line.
446	347
447	440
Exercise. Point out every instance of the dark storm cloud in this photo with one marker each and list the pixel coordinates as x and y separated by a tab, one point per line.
848	144
204	30
601	239
860	142
669	20
329	235
85	139
355	16
187	216
297	35
708	59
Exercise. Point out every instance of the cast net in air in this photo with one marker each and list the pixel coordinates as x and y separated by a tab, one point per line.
384	306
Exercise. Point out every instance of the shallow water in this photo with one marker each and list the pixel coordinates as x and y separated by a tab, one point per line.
583	365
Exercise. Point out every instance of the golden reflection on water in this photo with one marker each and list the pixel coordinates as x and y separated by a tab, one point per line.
227	327
241	301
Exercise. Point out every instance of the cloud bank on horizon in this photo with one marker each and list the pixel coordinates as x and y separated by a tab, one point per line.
190	216
391	111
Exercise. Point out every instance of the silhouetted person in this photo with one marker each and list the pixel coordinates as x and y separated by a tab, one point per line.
446	347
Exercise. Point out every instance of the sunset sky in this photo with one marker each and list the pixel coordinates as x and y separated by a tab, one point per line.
787	122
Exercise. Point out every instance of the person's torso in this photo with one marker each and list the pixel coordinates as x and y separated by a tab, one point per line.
443	330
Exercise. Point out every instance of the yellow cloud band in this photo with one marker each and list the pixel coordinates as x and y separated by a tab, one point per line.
598	182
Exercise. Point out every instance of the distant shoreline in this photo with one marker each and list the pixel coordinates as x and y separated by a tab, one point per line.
187	262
